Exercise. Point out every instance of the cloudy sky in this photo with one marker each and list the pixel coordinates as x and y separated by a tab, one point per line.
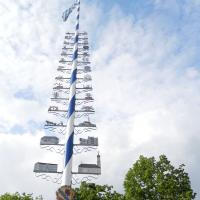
146	80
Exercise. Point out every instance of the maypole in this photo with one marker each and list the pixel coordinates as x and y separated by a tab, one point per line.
67	173
72	91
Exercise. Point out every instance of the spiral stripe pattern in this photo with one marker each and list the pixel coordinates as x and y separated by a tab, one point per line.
67	172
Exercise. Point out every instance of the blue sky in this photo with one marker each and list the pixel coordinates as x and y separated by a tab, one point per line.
146	80
175	18
137	8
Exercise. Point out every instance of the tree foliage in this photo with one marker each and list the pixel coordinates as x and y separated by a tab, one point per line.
156	180
96	192
17	196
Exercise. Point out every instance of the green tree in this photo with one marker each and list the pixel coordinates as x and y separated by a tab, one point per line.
17	196
157	180
89	191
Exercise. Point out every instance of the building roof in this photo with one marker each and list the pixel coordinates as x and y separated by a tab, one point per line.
40	163
89	166
50	137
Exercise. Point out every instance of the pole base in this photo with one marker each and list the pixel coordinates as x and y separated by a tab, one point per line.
65	193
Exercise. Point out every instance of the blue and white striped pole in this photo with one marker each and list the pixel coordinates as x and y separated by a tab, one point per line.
67	172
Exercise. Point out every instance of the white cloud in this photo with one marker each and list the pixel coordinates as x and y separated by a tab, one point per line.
147	95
